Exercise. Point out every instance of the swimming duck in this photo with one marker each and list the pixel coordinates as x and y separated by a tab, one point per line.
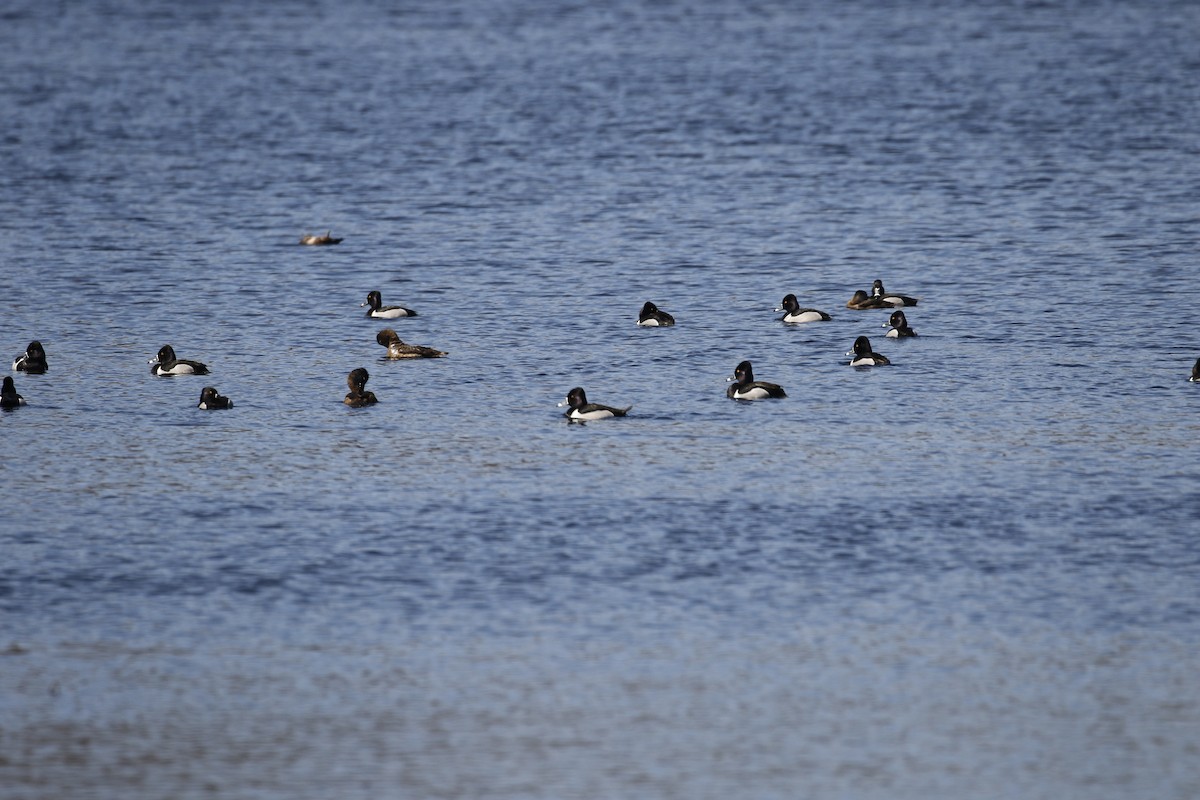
165	363
581	409
888	299
863	357
652	317
797	314
861	300
1195	372
898	324
310	238
33	360
744	387
9	399
358	395
379	311
398	349
211	401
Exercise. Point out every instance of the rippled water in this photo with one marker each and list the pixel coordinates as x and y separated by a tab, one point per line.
973	573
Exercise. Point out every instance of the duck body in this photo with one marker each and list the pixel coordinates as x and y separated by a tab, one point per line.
796	314
210	400
32	361
580	409
378	310
864	356
898	326
166	364
397	349
314	239
1195	372
861	301
358	396
653	317
9	399
744	387
889	300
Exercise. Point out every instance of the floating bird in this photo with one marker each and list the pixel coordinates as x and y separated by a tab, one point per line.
863	357
898	325
33	360
310	238
398	349
888	299
581	409
9	399
379	311
797	314
358	395
744	387
165	363
861	300
211	401
652	317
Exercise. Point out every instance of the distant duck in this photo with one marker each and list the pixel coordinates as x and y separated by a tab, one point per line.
898	325
314	239
358	395
864	357
398	349
652	317
581	409
744	387
797	314
1195	372
167	364
861	300
211	401
888	299
378	310
9	399
33	360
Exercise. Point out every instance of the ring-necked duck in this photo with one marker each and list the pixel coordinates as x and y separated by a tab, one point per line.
380	311
861	300
652	317
889	299
398	349
9	399
1195	372
310	238
581	409
165	363
358	395
744	387
33	360
797	314
211	401
899	326
863	357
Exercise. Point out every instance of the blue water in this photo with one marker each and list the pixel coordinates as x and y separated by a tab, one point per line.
974	573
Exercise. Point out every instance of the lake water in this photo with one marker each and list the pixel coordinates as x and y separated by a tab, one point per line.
974	573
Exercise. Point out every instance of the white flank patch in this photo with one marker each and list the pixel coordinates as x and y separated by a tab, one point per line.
591	415
649	323
756	393
805	316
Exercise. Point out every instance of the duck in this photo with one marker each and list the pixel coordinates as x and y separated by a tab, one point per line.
398	349
379	311
898	325
797	314
165	363
581	409
888	299
1195	372
9	399
211	401
653	317
863	357
33	360
358	395
314	239
744	387
861	300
